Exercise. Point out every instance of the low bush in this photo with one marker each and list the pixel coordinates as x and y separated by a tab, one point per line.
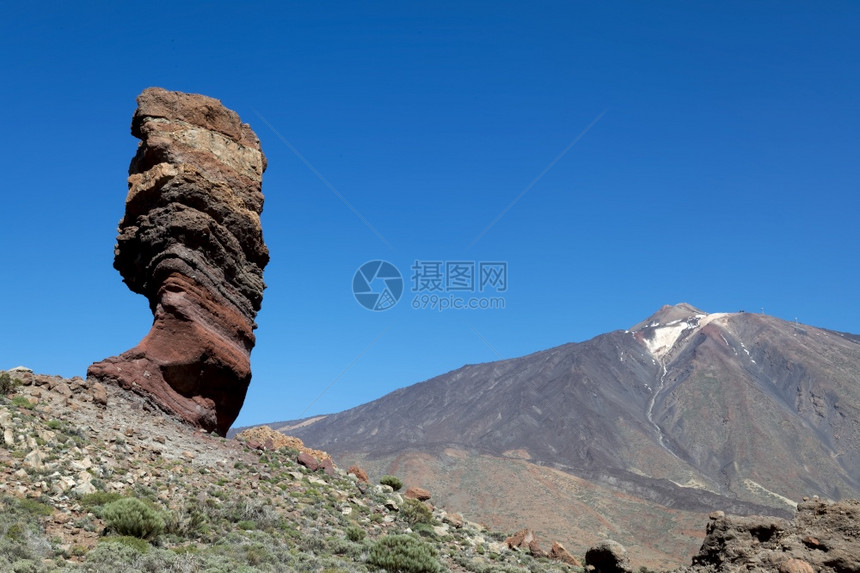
404	554
415	512
392	481
99	498
22	402
7	383
355	533
185	522
131	516
36	507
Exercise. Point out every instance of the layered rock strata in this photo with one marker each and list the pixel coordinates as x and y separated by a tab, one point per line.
192	243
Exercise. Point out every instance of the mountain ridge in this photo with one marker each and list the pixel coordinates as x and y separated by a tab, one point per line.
685	409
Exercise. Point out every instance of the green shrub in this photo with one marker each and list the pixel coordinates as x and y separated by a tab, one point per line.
36	507
131	516
355	533
188	521
99	498
135	543
404	554
7	383
415	512
22	402
393	481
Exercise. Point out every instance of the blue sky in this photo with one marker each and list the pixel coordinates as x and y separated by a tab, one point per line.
714	161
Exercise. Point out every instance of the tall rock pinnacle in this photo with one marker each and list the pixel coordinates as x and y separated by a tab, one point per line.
191	242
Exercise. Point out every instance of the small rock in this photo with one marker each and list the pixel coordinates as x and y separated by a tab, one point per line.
418	493
62	389
454	520
795	566
99	394
33	460
84	488
391	505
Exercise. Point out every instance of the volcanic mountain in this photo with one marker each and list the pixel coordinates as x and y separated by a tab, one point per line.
634	434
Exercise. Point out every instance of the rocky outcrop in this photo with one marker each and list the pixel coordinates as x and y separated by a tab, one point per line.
559	553
191	242
607	557
265	438
822	537
525	540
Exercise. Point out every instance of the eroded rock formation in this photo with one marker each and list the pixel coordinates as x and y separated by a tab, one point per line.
822	537
191	242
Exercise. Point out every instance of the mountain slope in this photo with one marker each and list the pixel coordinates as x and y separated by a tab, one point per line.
742	410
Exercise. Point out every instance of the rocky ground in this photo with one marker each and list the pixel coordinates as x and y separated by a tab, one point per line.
822	537
70	448
73	451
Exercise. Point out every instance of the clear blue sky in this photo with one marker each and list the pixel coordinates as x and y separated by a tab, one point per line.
722	170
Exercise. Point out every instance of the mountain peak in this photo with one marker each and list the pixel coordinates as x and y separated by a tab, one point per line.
671	313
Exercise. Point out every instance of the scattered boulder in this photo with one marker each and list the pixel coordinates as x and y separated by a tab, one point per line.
418	493
795	566
99	393
359	473
608	556
327	466
308	461
34	460
191	242
525	540
455	520
265	438
559	553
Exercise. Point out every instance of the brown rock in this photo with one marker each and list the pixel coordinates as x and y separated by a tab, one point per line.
264	437
99	394
559	553
455	520
795	566
525	539
327	466
822	537
359	473
191	242
308	461
418	493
